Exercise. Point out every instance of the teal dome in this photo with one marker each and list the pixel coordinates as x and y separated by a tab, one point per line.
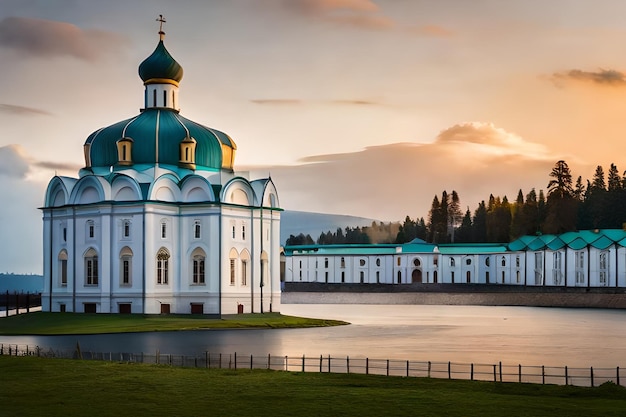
155	137
160	67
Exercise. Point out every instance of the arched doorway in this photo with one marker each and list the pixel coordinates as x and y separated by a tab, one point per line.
416	276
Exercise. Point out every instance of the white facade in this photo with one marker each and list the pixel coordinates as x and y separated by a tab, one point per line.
590	266
158	221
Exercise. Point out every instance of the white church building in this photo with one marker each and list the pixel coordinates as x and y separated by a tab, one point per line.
157	220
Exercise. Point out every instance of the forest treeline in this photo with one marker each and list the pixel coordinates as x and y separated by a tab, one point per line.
569	205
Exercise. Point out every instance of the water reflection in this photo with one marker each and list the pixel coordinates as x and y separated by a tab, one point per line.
513	335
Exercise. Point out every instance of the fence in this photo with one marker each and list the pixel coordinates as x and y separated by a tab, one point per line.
14	303
589	377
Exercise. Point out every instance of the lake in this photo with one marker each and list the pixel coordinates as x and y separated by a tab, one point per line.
463	334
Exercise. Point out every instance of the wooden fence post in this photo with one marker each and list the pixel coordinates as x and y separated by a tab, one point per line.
387	367
235	360
348	364
618	376
566	379
321	362
367	366
495	378
251	361
269	361
407	369
472	372
449	371
500	367
543	374
328	363
591	377
302	363
519	370
429	366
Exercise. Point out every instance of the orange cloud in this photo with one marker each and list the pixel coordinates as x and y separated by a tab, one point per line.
23	111
390	181
364	14
47	38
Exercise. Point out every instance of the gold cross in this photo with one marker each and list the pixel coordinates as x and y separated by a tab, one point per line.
161	20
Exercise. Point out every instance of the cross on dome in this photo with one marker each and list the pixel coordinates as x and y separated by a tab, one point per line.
161	20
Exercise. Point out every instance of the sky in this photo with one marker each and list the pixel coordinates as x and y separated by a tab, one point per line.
361	107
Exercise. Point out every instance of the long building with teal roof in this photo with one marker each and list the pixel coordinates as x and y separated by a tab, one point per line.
587	259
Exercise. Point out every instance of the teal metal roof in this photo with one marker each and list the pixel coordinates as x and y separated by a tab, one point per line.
383	249
471	248
162	130
160	65
600	239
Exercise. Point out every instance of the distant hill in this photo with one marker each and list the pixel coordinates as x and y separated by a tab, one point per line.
21	283
296	222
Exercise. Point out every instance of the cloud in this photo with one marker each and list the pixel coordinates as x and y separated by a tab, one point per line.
13	162
276	101
391	181
47	38
22	111
602	77
282	101
364	14
58	166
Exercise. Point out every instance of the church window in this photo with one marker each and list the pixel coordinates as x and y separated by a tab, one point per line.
487	261
435	261
325	262
126	228
326	276
580	267
244	272
126	257
232	272
452	277
164	98
233	256
173	99
234	231
91	229
163	257
399	277
243	232
452	261
378	277
468	277
362	262
196	229
154	93
517	261
377	261
63	267
362	276
198	269
399	261
163	229
468	261
503	262
416	262
343	262
65	234
343	276
435	277
91	267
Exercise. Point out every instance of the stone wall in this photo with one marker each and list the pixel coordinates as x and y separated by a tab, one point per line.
506	296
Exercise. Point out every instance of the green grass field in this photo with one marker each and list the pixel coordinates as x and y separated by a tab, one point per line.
67	323
32	386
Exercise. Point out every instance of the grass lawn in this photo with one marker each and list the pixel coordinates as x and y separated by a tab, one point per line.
32	386
40	323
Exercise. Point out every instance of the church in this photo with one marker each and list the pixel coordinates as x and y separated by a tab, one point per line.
158	221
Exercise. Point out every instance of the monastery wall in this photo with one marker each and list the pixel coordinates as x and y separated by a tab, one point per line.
593	298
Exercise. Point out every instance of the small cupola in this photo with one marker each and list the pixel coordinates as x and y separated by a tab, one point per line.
161	75
188	153
124	151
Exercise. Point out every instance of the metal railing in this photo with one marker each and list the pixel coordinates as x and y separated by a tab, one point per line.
499	372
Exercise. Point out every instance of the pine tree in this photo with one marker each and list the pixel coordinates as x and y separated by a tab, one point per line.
614	180
561	182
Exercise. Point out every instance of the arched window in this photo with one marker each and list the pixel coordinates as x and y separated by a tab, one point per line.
91	229
63	267
91	267
198	259
399	261
468	261
503	261
245	261
417	262
361	262
233	259
126	259
362	276
163	258
452	261
163	229
399	276
126	228
196	229
377	261
468	277
487	261
343	262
